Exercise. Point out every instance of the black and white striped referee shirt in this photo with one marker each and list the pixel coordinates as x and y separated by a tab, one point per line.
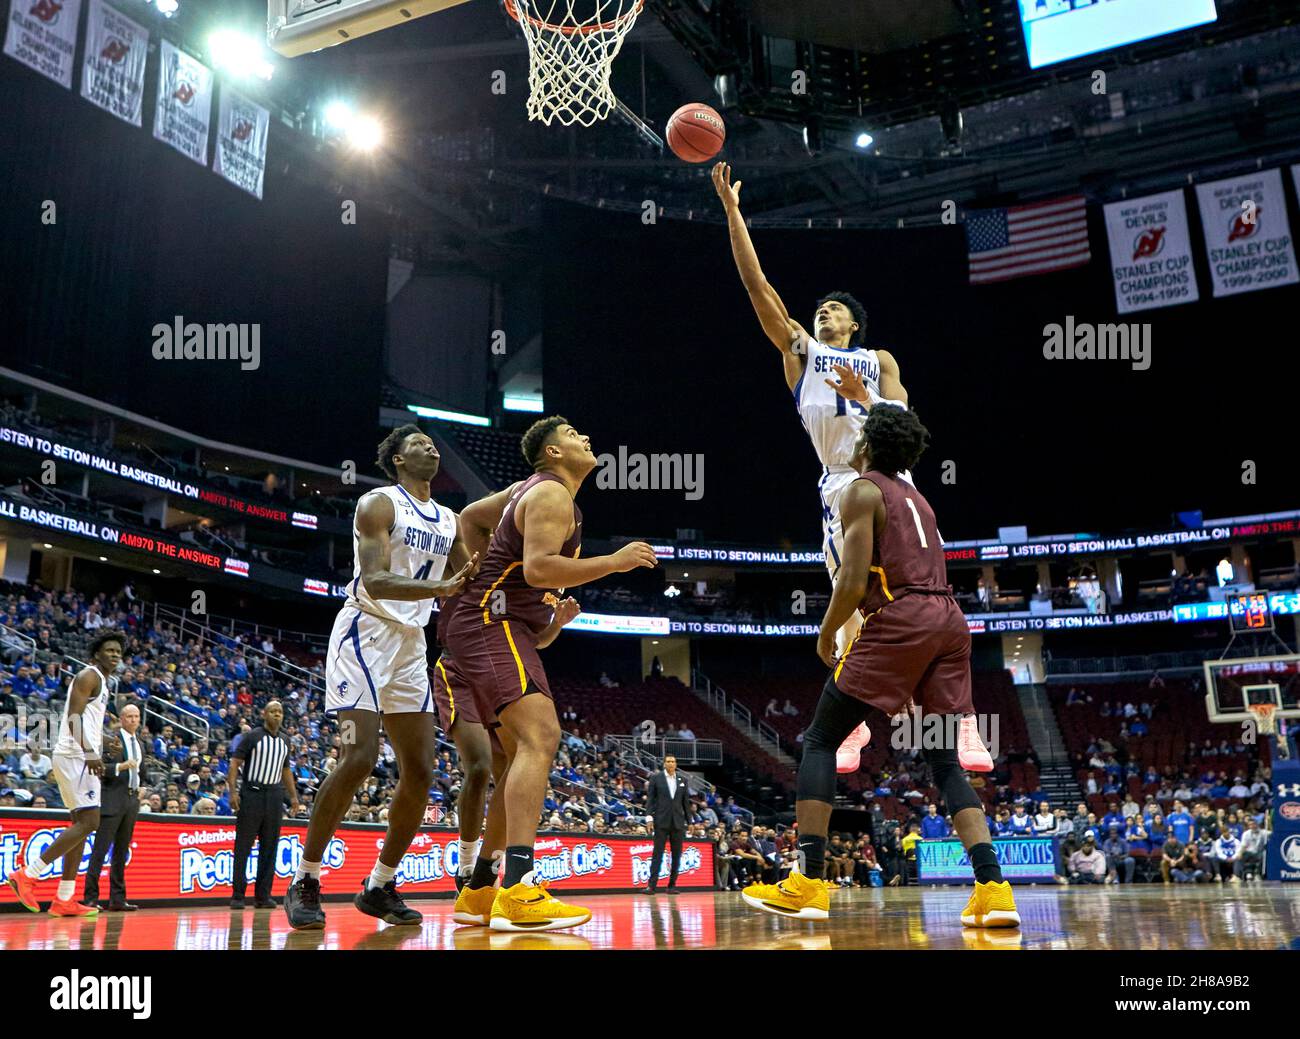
264	756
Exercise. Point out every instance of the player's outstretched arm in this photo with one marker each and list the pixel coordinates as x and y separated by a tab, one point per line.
786	334
858	512
547	515
375	518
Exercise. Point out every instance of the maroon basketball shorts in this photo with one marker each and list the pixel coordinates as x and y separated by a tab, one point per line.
917	649
451	693
498	662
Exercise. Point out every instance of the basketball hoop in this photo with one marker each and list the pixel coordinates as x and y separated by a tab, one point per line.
570	56
1265	722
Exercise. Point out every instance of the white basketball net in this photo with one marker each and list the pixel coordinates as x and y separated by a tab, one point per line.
570	54
1265	721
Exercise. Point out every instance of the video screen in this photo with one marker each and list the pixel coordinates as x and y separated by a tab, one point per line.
1058	30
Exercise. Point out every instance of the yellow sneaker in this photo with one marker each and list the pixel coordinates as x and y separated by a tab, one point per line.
474	906
526	907
797	897
991	905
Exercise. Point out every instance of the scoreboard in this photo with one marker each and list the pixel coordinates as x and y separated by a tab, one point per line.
1250	612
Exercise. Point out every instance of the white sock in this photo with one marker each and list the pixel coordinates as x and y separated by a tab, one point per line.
36	866
381	875
498	861
66	889
469	854
307	869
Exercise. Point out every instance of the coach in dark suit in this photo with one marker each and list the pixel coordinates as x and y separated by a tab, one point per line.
119	805
667	801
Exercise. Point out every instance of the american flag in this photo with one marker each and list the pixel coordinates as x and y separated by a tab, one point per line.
1023	240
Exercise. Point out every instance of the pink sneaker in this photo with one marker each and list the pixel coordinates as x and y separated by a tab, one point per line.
849	757
971	753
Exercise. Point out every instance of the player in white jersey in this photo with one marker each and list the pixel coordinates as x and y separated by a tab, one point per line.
78	766
835	379
377	664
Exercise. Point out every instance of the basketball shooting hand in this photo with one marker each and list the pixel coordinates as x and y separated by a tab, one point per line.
566	610
850	386
728	192
826	647
632	555
455	584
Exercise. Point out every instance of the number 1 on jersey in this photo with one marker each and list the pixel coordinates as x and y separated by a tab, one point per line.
916	518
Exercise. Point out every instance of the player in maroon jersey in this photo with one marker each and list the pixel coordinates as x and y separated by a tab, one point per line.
480	754
913	647
493	634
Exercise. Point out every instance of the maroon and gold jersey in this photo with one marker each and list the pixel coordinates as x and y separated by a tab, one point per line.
907	555
499	592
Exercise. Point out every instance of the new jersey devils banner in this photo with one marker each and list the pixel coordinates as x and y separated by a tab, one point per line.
112	75
186	857
1151	252
184	112
43	36
1247	233
242	130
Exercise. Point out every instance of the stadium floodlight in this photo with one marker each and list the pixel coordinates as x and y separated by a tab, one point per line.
239	55
513	402
339	115
167	7
365	133
863	140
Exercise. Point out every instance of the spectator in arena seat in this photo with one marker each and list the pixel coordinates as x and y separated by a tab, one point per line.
1253	842
1118	860
789	709
1022	824
1190	869
35	765
1045	820
1239	789
745	859
1128	809
1225	859
934	825
1088	865
173	806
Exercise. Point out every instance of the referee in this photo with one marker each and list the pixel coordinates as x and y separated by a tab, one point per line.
261	759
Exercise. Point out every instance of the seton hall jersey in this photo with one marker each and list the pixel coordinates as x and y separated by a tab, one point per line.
907	555
72	744
419	543
832	422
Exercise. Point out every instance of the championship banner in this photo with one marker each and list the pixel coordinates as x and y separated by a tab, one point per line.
43	36
1247	233
242	130
112	75
1151	252
191	858
184	111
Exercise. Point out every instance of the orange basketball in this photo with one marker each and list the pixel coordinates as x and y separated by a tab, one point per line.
696	133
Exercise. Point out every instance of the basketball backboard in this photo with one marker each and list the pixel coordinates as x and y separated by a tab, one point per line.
1233	685
295	27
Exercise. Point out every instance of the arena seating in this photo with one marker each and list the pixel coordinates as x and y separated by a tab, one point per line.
493	452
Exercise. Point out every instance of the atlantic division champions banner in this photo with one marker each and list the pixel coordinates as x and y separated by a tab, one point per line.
1151	252
43	36
112	75
242	130
1247	233
184	113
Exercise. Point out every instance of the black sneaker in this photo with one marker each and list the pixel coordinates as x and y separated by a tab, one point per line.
302	905
237	902
462	879
386	904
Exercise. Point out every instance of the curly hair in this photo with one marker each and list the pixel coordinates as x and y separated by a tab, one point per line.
535	437
858	311
391	445
894	438
106	636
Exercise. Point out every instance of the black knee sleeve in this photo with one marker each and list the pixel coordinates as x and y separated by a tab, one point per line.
837	715
954	787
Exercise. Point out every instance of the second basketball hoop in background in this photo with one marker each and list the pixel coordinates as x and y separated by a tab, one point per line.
696	133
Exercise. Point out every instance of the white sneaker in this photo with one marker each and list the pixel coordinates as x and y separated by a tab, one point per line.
971	752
